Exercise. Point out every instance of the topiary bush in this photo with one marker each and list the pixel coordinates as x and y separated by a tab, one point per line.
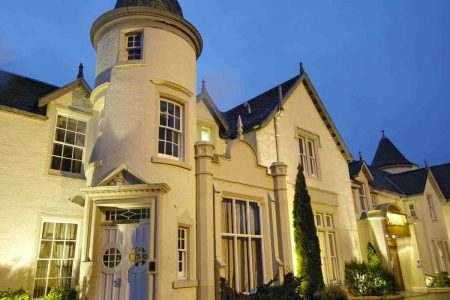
14	295
61	293
307	248
331	292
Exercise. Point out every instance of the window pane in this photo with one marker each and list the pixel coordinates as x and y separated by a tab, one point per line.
41	269
68	151
45	249
47	231
228	257
69	251
81	128
161	147
76	166
66	165
242	258
72	125
67	268
257	263
60	135
227	216
71	232
255	227
58	248
39	288
241	217
80	139
56	163
70	137
55	268
60	231
57	149
78	153
61	122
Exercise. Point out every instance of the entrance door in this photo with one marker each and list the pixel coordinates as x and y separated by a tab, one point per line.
395	267
123	262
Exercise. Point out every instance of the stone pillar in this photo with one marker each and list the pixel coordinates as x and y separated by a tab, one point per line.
205	221
377	221
279	173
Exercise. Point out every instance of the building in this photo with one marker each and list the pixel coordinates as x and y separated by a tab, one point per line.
141	188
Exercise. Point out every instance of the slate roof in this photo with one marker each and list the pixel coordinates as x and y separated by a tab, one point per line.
23	93
355	167
442	175
167	5
261	107
411	182
388	155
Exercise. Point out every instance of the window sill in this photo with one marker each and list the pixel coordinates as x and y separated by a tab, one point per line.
130	63
172	162
66	174
184	284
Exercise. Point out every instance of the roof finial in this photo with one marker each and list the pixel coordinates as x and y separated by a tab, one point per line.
240	129
80	71
426	164
383	133
203	85
361	158
302	68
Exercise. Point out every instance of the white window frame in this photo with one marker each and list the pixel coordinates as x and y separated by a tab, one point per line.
309	156
183	255
64	144
330	262
208	131
173	129
431	208
134	47
74	259
412	210
362	196
234	235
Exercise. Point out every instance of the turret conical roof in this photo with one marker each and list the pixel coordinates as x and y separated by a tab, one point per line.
167	5
388	155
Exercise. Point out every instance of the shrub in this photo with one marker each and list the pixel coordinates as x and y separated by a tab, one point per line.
61	293
372	256
307	245
441	280
288	290
331	292
363	279
14	295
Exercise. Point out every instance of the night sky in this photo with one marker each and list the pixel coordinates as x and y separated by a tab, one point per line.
377	64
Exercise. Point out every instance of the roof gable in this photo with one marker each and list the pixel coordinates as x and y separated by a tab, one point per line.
213	110
442	175
23	93
121	176
387	154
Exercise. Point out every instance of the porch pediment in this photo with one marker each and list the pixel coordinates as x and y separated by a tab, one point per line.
122	176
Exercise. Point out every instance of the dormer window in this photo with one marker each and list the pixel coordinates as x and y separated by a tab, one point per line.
134	46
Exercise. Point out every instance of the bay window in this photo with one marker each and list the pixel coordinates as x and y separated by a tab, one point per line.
242	244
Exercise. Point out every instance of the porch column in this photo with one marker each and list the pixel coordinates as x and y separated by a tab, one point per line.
376	221
205	221
279	173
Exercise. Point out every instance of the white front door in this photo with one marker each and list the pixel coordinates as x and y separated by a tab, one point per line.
123	262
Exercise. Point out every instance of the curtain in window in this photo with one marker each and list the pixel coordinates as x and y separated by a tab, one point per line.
257	263
241	217
242	256
228	257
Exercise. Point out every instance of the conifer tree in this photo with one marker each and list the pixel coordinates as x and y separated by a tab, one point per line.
307	248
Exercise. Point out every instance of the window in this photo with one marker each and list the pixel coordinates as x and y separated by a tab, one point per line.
374	202
205	134
68	145
362	198
441	254
431	208
412	210
182	253
55	259
170	129
101	116
242	244
127	215
308	157
134	46
328	250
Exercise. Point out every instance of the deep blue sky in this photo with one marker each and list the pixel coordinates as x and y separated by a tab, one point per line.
375	63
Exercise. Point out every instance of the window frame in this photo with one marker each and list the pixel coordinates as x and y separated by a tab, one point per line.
431	208
180	131
74	260
234	236
309	158
413	210
78	119
184	251
331	262
362	197
127	48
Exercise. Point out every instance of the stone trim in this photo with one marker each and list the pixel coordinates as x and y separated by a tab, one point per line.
183	284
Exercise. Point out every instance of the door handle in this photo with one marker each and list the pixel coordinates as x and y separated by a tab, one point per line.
117	283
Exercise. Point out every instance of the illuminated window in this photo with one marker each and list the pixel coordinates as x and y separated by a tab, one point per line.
170	129
134	46
242	244
308	157
412	210
68	145
56	256
362	198
431	208
328	250
205	134
112	258
182	253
